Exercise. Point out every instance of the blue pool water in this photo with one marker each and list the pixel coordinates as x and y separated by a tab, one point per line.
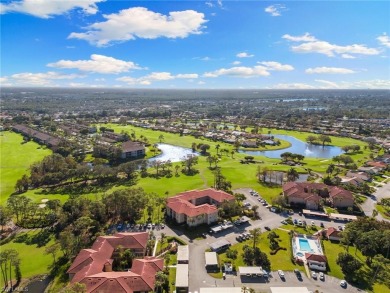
300	254
304	245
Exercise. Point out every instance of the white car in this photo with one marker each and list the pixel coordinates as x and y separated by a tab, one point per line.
322	276
343	283
281	274
314	275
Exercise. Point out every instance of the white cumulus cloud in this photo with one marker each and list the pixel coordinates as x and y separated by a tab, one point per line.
275	10
155	76
239	71
97	64
139	22
384	40
41	79
272	65
329	70
244	55
49	8
296	85
304	38
309	44
347	56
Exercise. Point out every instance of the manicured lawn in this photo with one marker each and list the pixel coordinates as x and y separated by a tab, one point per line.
172	279
15	159
34	261
280	261
381	209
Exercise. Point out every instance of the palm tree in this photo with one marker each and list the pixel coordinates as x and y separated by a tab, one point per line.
255	236
232	153
292	175
254	209
217	148
162	239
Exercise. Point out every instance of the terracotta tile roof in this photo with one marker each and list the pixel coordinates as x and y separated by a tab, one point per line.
332	232
181	203
88	266
336	191
315	257
307	189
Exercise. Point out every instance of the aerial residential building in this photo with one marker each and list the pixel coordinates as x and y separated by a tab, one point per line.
196	207
308	195
93	267
131	149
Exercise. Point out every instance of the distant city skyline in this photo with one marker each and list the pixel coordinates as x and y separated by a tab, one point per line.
196	44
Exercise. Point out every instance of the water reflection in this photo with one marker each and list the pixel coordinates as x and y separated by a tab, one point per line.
299	147
172	152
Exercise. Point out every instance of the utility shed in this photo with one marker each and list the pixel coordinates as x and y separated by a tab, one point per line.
183	254
211	258
181	278
211	261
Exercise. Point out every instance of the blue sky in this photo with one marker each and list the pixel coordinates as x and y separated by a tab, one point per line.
195	44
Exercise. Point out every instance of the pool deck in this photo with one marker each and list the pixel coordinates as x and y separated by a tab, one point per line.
313	244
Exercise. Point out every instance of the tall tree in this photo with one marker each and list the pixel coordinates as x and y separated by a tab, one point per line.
255	236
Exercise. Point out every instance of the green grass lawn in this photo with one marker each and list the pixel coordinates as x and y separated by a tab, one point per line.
280	261
381	209
15	159
34	261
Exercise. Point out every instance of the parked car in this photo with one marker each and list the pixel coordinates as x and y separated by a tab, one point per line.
295	221
273	209
298	274
267	228
322	276
284	222
281	274
322	225
314	275
204	235
239	238
343	284
300	223
149	226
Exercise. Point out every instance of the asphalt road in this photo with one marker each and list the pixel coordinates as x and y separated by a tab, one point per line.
199	278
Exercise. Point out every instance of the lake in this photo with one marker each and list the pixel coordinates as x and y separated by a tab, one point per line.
172	152
298	147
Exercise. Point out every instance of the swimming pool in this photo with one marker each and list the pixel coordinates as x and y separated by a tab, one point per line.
304	245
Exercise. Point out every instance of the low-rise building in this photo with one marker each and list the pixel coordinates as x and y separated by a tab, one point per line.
308	195
333	234
93	267
131	149
316	261
196	207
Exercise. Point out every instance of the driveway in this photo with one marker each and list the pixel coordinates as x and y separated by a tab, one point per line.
369	205
199	278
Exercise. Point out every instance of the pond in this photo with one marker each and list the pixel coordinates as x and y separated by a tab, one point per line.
172	152
298	147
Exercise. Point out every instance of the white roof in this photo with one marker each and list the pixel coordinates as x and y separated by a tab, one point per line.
250	270
218	244
289	290
221	290
182	253
342	216
181	275
211	258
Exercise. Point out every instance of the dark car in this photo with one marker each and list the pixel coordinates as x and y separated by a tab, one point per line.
267	228
298	274
322	225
